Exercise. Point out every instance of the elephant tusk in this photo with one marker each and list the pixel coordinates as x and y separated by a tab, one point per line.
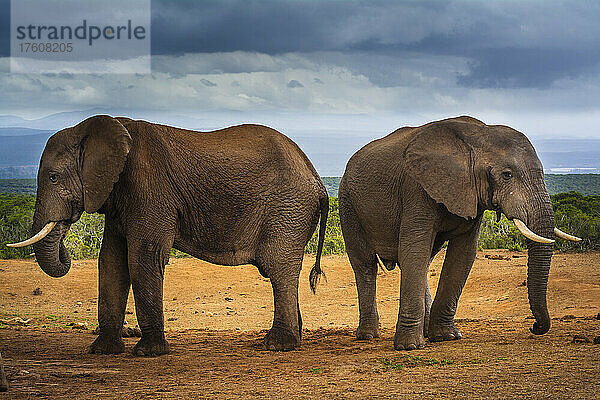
566	236
529	234
36	238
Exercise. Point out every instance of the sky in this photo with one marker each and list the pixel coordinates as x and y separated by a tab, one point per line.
346	67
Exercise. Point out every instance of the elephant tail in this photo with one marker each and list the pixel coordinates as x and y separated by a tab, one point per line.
316	271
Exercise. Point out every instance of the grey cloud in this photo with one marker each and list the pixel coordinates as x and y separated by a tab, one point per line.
228	63
528	68
489	33
294	84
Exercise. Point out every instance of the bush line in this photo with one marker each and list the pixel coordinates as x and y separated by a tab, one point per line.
574	213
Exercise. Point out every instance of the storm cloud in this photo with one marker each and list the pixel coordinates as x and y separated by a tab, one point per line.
508	43
534	65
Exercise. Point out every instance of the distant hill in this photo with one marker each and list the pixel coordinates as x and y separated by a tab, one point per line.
587	184
20	151
332	184
18	186
328	145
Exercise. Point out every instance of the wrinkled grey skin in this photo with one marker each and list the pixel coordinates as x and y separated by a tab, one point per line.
3	381
241	195
402	196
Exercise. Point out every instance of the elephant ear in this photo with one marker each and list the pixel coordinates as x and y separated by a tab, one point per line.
105	144
443	163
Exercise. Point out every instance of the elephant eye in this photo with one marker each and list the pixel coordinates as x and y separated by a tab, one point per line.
507	175
53	178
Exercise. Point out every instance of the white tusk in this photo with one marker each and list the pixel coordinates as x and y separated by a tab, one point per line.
528	234
34	239
566	236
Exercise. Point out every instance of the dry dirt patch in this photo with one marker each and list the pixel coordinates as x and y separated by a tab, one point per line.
216	317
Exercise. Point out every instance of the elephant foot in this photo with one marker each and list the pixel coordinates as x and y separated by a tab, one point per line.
409	339
105	344
280	339
367	332
154	346
438	333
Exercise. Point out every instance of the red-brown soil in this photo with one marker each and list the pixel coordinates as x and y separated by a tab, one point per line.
216	317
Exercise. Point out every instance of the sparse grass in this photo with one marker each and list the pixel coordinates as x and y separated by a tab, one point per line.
398	363
477	361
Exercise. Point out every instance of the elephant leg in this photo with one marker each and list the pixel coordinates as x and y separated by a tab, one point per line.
457	265
285	333
3	381
364	263
414	254
428	300
147	260
113	290
365	273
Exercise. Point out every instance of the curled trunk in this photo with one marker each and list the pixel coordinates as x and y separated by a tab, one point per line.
50	252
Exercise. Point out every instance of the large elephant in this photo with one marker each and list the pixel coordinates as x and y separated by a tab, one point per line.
403	196
241	195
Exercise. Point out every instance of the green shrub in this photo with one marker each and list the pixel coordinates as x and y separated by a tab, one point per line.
16	217
85	237
574	213
334	242
501	234
578	215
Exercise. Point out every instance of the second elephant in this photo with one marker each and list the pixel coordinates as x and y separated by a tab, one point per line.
403	196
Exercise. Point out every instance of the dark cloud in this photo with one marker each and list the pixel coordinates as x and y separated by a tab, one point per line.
294	84
528	68
267	26
4	28
504	44
509	43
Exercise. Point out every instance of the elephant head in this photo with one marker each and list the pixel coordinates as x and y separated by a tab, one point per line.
469	166
78	169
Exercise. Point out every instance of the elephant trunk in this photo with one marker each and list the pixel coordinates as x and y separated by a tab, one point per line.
50	252
541	221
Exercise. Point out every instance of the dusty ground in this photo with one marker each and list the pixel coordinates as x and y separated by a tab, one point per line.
217	316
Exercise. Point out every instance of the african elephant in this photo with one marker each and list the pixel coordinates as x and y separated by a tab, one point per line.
241	195
403	196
